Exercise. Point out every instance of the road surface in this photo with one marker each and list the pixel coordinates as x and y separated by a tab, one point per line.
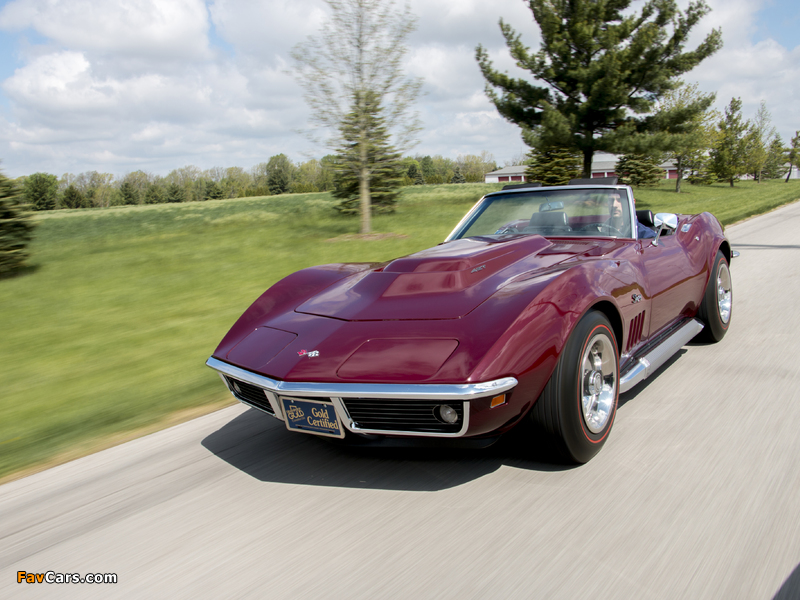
696	494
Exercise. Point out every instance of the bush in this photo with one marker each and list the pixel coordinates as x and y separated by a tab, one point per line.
16	228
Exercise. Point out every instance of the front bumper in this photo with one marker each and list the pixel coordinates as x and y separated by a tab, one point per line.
366	413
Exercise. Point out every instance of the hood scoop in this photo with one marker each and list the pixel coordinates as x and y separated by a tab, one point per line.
444	282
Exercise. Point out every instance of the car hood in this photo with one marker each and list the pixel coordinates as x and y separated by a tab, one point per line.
444	282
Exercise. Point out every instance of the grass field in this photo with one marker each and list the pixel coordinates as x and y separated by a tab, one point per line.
108	331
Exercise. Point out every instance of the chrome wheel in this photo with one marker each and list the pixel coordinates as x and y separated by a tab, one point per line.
598	382
724	294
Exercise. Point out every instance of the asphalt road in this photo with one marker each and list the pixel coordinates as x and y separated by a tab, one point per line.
696	494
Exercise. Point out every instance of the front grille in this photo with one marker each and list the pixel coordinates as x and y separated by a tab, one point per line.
250	394
416	416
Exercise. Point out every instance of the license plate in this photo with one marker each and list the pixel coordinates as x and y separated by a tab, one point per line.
311	416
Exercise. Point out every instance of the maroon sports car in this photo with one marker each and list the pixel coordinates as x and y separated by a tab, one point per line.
544	304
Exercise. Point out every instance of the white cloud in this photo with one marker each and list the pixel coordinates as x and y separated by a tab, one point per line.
173	30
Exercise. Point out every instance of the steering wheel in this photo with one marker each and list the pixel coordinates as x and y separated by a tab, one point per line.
605	227
506	229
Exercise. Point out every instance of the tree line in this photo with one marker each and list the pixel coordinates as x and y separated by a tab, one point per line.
715	147
279	175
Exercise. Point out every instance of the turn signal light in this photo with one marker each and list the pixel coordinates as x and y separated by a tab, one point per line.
498	400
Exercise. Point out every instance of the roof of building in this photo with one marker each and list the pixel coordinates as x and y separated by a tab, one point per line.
601	161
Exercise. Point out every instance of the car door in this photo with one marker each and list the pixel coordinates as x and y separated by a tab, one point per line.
675	274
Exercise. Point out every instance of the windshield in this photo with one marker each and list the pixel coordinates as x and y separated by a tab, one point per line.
560	213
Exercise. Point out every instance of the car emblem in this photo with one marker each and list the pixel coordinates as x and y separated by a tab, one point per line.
636	298
312	354
476	269
294	413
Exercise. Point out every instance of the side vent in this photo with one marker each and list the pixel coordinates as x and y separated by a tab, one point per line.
635	332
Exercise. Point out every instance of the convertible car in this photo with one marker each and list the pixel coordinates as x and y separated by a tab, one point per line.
542	306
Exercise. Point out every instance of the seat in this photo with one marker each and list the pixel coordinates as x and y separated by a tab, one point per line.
645	217
548	223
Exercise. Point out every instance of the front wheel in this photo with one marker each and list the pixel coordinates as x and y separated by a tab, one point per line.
717	304
577	407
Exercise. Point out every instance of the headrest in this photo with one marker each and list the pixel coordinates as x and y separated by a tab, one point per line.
555	218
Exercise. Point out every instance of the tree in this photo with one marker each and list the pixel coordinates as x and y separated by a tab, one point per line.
690	140
603	69
757	142
475	166
639	170
553	166
366	148
414	173
776	159
427	167
794	154
458	177
16	228
128	193
176	192
213	191
154	194
41	190
73	198
353	65
280	170
729	153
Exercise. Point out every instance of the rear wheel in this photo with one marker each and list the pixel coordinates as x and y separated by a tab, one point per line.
577	407
715	309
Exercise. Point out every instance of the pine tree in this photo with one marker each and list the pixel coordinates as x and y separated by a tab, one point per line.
154	194
639	170
729	153
359	55
128	193
16	228
775	166
368	171
176	193
41	190
603	67
73	198
280	170
213	191
688	143
458	177
415	175
793	156
428	169
553	166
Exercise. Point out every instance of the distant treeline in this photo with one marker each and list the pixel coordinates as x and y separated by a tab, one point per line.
279	175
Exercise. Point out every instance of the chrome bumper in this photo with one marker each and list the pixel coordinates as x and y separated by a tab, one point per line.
336	391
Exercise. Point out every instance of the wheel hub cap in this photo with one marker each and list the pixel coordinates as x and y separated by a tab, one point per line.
724	292
598	383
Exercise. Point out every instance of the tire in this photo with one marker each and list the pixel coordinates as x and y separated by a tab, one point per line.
715	309
577	407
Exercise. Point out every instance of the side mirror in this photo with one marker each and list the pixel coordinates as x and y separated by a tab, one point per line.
664	221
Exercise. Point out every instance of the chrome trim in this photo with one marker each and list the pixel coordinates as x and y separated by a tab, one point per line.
341	411
626	188
411	391
664	221
735	254
336	391
649	363
275	403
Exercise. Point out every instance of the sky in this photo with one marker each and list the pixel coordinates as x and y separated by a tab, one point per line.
121	85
